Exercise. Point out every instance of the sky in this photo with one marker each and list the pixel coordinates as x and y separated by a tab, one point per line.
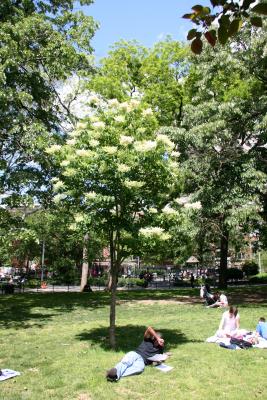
147	21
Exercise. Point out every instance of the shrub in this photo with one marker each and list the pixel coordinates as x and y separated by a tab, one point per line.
234	273
250	268
33	283
259	278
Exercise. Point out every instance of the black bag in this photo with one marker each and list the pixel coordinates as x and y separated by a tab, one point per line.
243	344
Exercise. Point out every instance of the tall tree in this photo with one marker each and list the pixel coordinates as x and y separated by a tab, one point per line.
223	133
42	44
116	170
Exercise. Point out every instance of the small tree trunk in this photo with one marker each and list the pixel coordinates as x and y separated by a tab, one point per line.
113	280
85	267
223	258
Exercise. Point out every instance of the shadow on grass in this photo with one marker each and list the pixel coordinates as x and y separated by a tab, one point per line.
128	337
26	310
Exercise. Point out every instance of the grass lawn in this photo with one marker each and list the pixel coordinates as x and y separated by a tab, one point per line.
58	342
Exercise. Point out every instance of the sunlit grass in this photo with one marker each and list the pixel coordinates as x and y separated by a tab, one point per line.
59	344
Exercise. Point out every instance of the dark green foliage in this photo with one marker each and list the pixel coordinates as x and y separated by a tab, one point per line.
250	268
230	17
234	273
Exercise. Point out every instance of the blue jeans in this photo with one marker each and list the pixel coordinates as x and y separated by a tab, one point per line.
131	364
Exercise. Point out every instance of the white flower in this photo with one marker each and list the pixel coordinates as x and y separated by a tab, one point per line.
153	210
134	103
58	185
73	227
182	200
175	153
125	106
65	163
133	184
165	140
110	149
53	149
84	153
81	126
113	103
69	172
144	146
78	218
147	111
58	197
98	125
94	143
123	168
71	142
169	210
196	206
125	140
90	195
93	99
119	118
154	231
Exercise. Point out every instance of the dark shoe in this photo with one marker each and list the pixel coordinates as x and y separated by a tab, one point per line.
112	375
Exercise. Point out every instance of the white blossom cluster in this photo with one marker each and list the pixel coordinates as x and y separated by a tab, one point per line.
154	231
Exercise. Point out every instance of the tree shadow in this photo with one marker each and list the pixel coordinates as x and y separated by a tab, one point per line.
128	337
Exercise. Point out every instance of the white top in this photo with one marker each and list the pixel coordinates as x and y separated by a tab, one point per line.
229	323
223	300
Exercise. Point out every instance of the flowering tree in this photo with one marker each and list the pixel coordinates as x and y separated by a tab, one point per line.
118	172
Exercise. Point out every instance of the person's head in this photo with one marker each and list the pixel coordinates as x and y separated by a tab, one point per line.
233	311
262	319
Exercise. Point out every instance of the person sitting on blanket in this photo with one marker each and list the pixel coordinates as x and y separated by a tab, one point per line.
261	328
221	302
205	293
134	362
229	324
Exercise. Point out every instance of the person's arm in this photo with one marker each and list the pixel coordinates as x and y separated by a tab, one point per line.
237	321
150	333
221	323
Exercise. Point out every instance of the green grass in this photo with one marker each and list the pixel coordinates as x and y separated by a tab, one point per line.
58	342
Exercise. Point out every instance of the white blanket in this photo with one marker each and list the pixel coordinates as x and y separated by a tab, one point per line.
8	373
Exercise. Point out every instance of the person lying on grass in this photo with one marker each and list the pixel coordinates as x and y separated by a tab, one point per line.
134	362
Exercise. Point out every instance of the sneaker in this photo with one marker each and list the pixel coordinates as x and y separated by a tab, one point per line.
112	375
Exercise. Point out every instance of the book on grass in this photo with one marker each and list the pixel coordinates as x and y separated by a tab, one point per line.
158	357
164	367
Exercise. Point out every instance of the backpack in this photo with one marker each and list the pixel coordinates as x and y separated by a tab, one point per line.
243	344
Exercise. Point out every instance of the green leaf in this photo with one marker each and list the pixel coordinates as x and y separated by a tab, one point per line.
246	4
214	3
188	16
234	26
196	46
222	34
256	21
191	34
205	11
211	37
197	8
260	9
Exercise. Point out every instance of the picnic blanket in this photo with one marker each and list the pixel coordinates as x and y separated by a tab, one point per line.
8	373
225	342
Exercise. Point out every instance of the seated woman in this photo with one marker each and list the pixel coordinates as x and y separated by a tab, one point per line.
229	324
205	293
221	302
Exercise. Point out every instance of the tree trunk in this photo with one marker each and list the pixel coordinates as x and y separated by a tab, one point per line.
113	280
223	258
85	268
